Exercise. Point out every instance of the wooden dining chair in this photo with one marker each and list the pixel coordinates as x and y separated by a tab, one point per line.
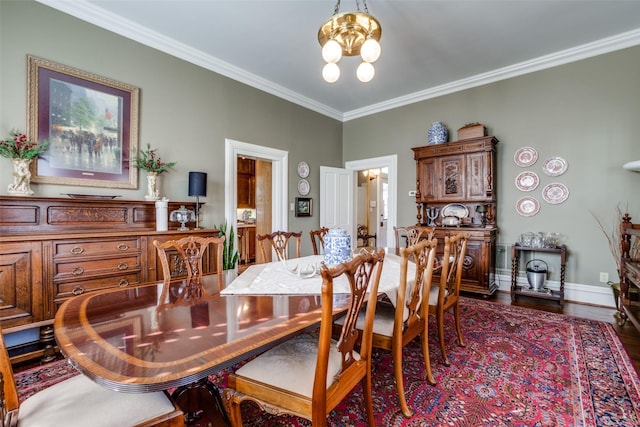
310	374
317	240
186	258
78	401
410	235
279	242
397	323
447	294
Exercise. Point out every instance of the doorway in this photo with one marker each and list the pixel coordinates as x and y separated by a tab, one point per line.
277	218
372	207
390	164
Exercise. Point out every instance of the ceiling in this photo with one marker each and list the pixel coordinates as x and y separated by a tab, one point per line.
429	48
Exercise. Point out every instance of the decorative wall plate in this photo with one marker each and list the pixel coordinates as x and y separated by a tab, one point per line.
303	169
455	209
555	193
303	187
527	206
527	181
525	156
555	166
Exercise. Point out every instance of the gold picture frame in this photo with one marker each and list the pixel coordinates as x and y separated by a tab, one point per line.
91	122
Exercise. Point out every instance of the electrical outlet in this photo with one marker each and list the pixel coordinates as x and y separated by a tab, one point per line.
604	277
412	193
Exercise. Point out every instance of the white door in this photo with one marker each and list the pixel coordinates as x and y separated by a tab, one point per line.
337	199
383	210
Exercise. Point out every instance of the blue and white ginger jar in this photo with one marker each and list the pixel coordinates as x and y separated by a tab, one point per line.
438	133
337	246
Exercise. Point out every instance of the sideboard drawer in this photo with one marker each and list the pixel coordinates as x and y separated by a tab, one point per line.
82	269
93	247
68	289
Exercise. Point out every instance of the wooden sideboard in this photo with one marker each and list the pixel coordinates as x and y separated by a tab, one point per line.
461	176
54	248
629	271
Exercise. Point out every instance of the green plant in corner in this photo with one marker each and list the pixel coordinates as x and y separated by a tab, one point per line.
229	254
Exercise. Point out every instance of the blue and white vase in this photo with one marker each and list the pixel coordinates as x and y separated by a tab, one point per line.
438	133
337	246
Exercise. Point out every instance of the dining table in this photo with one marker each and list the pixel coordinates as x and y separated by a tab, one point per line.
174	335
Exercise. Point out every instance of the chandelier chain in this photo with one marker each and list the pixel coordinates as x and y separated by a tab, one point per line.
336	8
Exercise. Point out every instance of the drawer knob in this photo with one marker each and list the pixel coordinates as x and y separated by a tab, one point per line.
77	250
123	283
77	271
122	247
77	290
122	266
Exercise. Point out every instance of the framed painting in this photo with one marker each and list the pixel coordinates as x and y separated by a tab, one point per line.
90	121
304	206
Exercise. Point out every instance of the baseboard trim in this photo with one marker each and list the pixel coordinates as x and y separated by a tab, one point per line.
574	292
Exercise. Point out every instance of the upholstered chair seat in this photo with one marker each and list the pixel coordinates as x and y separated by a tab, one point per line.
292	365
81	402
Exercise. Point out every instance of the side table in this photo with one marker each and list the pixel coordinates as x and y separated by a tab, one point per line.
542	293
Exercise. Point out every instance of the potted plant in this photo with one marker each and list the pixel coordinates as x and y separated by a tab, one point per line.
149	161
21	151
229	254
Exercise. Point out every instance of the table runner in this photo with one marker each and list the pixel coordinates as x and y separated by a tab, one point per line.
274	279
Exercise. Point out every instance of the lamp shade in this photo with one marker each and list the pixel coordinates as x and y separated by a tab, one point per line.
197	184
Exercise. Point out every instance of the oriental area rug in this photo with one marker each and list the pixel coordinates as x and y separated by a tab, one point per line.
520	367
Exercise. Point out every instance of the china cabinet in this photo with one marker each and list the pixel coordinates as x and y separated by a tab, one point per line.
54	248
455	191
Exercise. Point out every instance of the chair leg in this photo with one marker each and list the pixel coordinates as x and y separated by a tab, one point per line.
368	399
427	359
456	312
397	368
235	414
443	348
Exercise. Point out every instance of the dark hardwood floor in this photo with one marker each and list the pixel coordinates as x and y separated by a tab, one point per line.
629	335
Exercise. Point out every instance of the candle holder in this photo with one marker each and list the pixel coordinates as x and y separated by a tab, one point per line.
482	210
432	214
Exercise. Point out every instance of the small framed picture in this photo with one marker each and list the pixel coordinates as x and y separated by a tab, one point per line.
304	206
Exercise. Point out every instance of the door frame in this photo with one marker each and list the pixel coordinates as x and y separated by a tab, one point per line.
279	180
390	162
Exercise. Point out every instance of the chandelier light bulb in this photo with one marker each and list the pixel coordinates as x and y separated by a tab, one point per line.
331	72
370	50
365	72
331	51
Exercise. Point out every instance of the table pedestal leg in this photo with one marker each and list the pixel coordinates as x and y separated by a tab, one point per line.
200	398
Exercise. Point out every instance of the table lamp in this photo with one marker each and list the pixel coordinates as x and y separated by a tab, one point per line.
197	188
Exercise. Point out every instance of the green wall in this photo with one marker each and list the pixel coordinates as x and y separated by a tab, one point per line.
186	111
586	112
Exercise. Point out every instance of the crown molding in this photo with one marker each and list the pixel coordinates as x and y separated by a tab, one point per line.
109	21
599	47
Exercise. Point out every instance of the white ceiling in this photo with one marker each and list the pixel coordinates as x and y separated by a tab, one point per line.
429	48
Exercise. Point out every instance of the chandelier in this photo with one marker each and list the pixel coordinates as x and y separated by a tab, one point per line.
350	34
